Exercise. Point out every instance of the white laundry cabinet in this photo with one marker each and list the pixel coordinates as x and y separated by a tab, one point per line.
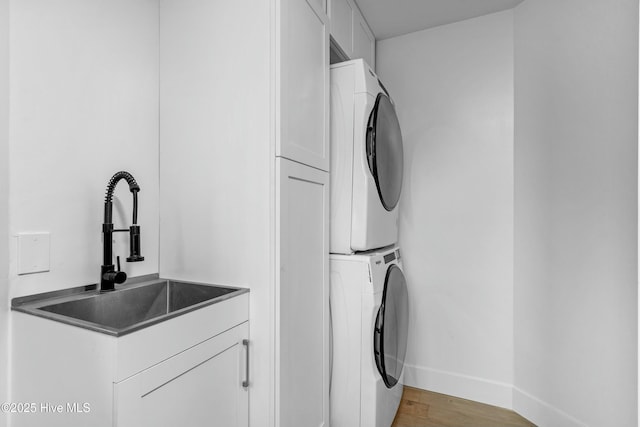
188	370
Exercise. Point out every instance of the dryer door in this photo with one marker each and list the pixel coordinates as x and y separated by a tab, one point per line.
392	323
384	151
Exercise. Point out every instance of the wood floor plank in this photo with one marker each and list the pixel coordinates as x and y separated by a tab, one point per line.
415	409
421	408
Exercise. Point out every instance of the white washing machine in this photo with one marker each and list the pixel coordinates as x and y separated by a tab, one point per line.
366	160
369	318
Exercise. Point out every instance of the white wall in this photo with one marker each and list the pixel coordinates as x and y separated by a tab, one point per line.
4	202
453	86
84	105
576	212
216	154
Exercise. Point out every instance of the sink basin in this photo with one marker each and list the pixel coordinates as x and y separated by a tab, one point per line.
129	307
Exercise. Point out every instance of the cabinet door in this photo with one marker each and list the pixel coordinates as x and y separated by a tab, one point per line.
302	296
364	43
341	13
199	387
303	97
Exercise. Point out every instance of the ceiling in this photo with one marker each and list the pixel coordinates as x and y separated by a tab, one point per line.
390	18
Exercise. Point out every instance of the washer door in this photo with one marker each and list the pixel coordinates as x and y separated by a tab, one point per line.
392	323
384	151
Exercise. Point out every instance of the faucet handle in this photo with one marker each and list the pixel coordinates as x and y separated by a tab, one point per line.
119	276
110	277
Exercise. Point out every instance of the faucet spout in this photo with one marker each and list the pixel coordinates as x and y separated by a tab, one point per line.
108	275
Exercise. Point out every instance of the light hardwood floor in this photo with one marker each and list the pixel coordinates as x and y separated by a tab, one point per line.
420	408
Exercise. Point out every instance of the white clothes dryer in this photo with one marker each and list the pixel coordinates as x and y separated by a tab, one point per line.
366	160
369	318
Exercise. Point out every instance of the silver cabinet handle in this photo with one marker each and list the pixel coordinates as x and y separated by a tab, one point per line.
245	383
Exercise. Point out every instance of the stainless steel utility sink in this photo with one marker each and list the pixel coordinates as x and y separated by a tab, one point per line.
129	307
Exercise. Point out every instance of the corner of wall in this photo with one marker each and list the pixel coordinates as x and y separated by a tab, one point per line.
575	233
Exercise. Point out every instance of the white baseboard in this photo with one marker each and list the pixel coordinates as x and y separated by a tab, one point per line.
490	392
465	386
541	413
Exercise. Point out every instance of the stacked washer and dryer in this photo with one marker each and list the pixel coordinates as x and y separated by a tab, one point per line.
368	298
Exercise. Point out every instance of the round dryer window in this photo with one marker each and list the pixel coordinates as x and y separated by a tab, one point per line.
384	151
392	323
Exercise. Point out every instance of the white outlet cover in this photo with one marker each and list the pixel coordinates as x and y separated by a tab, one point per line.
33	252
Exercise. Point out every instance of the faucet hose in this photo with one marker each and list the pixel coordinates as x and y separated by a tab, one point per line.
111	186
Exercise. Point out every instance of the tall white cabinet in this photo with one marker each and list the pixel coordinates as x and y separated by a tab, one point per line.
302	212
302	294
244	161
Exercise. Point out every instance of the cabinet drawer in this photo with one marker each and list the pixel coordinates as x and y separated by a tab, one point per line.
193	388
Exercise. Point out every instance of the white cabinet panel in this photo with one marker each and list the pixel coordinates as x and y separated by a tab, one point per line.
364	43
302	296
350	30
196	388
304	84
341	15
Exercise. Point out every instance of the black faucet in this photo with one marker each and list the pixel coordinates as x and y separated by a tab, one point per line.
109	276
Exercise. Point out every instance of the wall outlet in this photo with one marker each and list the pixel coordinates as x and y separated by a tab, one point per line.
33	252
